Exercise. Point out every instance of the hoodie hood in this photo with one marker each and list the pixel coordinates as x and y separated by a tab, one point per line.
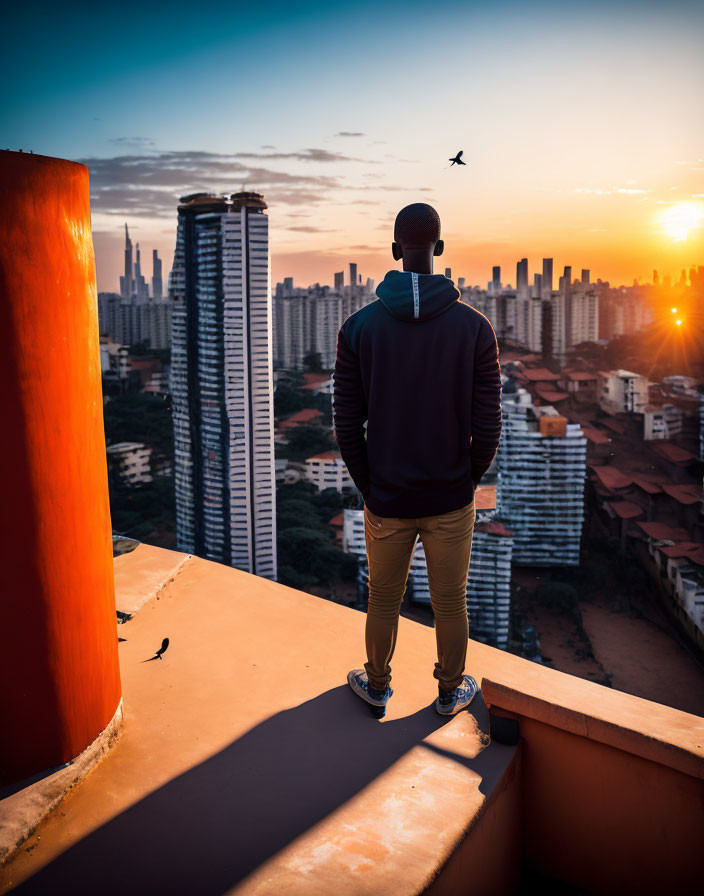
410	296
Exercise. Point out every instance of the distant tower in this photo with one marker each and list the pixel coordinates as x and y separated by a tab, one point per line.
585	276
567	277
448	273
222	382
496	279
157	281
127	280
339	281
547	278
522	279
138	274
537	285
353	274
288	286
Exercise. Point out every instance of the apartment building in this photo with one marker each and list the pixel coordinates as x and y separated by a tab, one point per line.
222	382
541	476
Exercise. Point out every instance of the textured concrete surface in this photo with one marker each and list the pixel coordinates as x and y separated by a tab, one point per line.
142	573
24	806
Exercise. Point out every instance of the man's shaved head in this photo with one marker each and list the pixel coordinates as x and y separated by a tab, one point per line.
417	226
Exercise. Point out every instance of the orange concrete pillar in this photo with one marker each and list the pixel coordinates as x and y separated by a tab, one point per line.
59	672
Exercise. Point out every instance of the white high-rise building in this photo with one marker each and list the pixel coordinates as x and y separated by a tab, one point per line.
540	490
222	382
308	321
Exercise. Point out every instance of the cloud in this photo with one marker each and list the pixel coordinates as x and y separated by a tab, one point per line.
311	228
150	184
303	155
132	141
350	134
595	191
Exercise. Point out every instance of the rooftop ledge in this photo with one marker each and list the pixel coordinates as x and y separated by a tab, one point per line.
247	765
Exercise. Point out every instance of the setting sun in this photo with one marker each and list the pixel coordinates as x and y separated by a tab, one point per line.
678	220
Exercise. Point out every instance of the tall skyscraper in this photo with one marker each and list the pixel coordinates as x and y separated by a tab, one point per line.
157	281
448	273
126	280
567	276
496	279
140	284
222	382
585	276
522	279
339	281
547	278
353	274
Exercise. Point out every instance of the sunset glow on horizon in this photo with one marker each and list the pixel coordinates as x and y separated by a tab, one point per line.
579	126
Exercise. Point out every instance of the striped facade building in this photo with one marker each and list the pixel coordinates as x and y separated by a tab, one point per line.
541	474
222	382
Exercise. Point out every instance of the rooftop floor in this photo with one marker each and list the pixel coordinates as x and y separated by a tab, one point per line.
246	764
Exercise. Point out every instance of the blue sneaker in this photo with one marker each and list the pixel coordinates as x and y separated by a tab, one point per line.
450	702
359	682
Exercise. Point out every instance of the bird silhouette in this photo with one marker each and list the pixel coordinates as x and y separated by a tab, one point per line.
457	159
162	649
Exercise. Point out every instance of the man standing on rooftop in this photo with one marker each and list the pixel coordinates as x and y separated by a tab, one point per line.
421	369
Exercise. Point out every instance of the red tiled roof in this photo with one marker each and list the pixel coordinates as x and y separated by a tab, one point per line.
617	425
663	532
580	375
305	414
673	453
683	492
680	550
316	377
494	528
611	477
538	374
596	435
697	556
549	394
626	509
485	497
325	455
646	482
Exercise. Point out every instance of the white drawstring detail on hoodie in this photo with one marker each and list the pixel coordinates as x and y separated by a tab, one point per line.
416	296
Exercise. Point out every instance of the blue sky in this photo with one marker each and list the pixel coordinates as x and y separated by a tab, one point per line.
570	115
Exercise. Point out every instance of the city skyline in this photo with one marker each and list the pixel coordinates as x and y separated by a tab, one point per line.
578	126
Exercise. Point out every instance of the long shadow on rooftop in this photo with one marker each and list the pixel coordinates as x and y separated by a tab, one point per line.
209	828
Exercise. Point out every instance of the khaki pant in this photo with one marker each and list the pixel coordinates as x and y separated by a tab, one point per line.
447	541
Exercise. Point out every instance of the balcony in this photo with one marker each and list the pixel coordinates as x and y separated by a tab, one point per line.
246	765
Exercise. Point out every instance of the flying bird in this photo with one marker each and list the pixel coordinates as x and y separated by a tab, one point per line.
457	159
162	649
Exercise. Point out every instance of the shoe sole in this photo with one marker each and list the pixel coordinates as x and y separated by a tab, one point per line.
360	692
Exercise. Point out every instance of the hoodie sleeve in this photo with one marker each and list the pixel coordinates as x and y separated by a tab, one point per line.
486	402
350	413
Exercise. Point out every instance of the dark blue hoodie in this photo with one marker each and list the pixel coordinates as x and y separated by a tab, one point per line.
422	370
